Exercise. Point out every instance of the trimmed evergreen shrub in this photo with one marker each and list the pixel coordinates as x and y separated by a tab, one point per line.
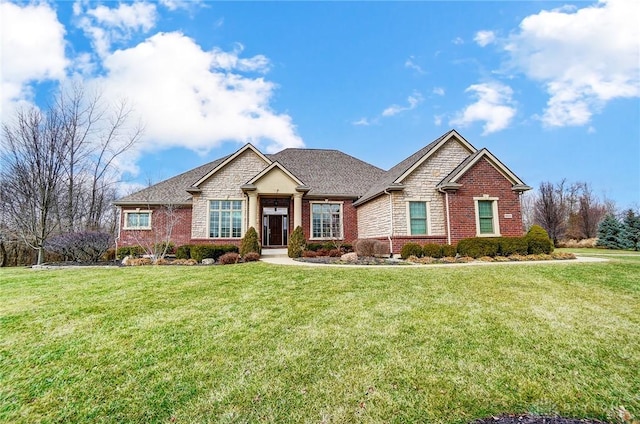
449	250
184	251
213	251
314	247
297	243
432	250
513	246
476	247
250	243
538	241
411	249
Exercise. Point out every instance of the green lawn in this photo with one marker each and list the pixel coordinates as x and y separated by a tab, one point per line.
266	343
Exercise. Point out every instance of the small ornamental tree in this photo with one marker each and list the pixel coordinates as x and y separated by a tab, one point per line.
88	246
612	234
631	222
250	243
297	243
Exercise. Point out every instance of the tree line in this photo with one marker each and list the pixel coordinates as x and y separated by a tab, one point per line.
58	167
571	211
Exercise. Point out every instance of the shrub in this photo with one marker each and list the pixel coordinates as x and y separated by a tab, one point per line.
185	262
158	248
346	248
161	261
538	241
322	252
230	258
213	251
411	249
449	250
251	257
335	253
381	249
109	255
508	246
314	247
133	251
184	251
365	248
297	243
432	250
139	262
86	246
476	247
309	254
250	243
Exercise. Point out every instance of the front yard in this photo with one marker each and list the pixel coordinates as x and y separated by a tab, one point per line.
265	343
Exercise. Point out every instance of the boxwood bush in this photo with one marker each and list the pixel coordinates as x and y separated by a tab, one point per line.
432	250
411	249
449	250
508	246
477	247
133	251
184	251
538	241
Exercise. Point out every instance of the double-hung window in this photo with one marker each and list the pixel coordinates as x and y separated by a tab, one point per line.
225	218
487	217
418	218
326	220
137	220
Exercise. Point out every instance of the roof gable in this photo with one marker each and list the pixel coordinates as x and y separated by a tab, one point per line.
451	180
231	158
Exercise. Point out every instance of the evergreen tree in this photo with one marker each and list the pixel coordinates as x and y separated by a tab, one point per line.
250	242
297	243
612	234
631	223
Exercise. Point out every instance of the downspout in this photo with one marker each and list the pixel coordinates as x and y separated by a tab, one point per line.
390	236
119	215
446	203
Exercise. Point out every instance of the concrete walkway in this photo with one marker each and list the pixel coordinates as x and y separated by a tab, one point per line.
279	257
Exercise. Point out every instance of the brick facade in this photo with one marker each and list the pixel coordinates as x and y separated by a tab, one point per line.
483	179
349	218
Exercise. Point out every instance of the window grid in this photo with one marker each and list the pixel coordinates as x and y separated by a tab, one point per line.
485	216
326	220
418	218
138	220
225	218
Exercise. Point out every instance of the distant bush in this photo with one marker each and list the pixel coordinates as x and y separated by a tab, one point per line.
538	241
476	247
250	243
432	250
86	246
411	249
213	251
229	258
297	243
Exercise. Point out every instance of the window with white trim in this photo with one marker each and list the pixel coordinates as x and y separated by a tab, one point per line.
138	220
418	213
487	223
225	218
326	220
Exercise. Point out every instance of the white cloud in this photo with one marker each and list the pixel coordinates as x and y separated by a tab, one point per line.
105	25
362	122
484	38
493	106
196	102
437	120
409	63
438	91
173	5
584	57
33	49
413	101
457	41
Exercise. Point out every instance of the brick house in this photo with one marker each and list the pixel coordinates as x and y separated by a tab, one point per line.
446	191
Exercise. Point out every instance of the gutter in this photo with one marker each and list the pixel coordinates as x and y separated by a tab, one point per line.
390	236
446	203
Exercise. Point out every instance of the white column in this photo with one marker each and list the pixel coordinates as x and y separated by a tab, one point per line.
253	211
297	210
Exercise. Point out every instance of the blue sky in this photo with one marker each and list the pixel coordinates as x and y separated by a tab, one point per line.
551	88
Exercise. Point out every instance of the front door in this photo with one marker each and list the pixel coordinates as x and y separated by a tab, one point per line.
274	229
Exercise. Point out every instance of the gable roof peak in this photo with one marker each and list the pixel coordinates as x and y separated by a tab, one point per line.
230	158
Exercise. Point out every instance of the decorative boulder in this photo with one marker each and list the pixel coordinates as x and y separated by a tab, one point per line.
208	261
349	257
126	260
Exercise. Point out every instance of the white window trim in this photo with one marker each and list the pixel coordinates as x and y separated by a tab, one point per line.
126	219
496	217
243	224
326	202
408	214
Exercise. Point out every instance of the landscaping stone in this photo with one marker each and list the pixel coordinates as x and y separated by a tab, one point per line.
208	261
349	257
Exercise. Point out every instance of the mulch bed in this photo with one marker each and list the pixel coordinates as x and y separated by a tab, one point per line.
534	419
